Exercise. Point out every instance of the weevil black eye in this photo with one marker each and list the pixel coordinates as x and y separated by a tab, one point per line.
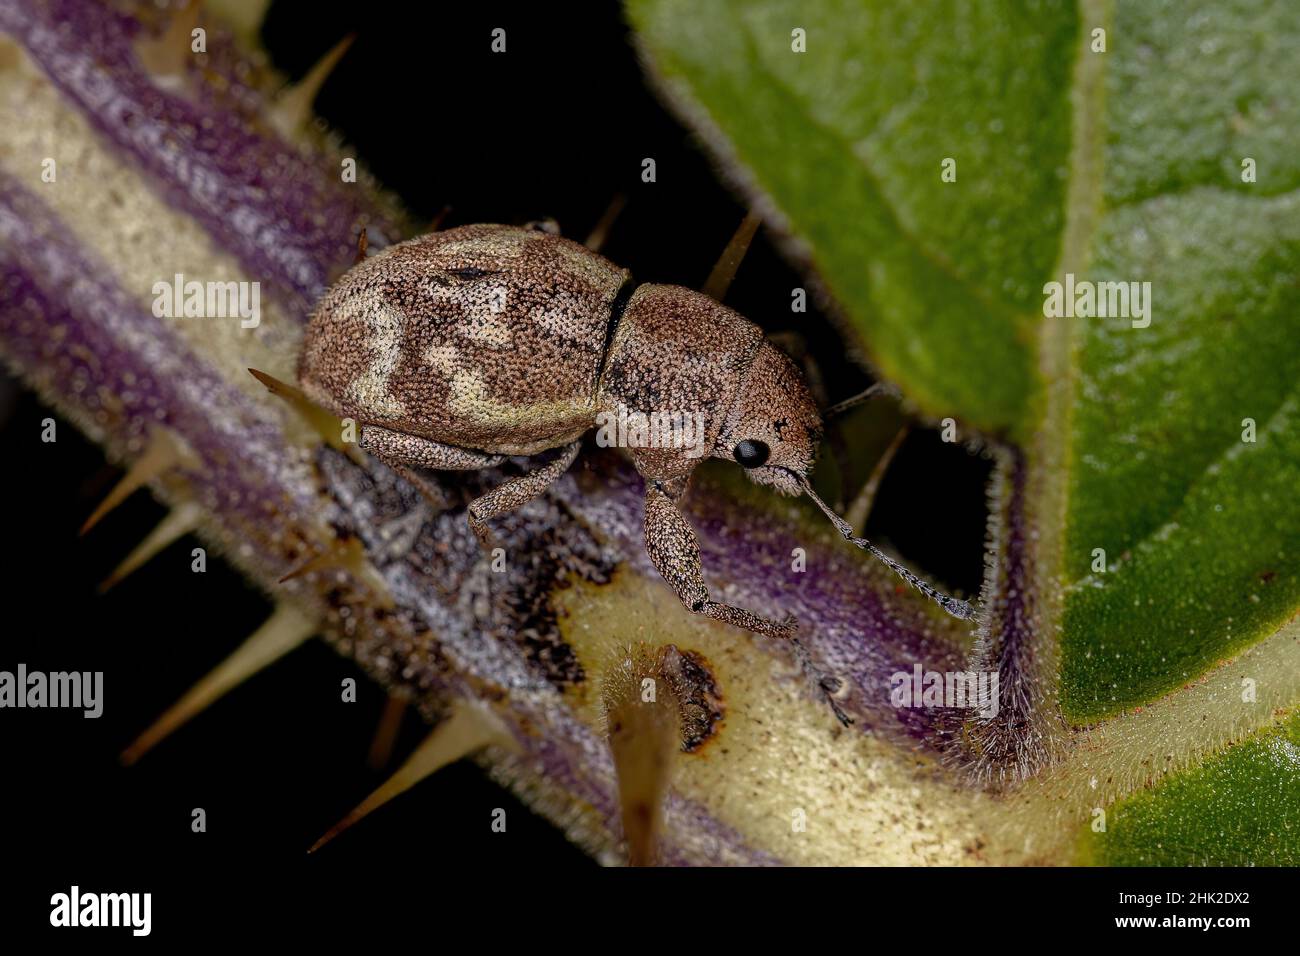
751	454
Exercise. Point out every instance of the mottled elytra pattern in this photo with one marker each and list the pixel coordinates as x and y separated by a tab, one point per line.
461	347
485	337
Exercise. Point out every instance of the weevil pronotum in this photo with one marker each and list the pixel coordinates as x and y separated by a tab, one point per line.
458	349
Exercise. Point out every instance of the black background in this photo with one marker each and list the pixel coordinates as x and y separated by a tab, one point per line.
554	128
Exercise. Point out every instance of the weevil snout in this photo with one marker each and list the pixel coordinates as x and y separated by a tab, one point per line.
773	433
774	429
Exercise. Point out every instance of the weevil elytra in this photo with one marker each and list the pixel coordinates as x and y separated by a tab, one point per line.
458	349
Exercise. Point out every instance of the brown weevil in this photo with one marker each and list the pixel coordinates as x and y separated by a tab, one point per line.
458	349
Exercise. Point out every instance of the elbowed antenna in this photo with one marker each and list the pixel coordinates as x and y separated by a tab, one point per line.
958	609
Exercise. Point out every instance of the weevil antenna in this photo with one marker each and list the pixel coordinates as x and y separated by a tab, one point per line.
839	408
600	231
958	609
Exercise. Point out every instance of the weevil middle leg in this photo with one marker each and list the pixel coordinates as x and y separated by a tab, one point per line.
405	453
517	492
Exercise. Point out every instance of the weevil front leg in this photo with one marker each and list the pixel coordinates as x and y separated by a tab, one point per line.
404	452
517	492
675	552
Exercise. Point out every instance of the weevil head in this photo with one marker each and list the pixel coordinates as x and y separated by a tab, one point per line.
774	427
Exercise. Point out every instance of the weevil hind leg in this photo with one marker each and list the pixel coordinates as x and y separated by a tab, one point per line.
675	552
439	500
398	449
517	492
405	453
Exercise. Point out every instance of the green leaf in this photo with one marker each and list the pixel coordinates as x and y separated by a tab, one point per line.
1241	808
940	280
1122	165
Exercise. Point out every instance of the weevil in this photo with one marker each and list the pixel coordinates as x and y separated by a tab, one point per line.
458	349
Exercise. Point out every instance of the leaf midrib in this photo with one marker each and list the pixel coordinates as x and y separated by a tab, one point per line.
1059	342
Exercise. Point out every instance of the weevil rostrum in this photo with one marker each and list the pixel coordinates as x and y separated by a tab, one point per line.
458	349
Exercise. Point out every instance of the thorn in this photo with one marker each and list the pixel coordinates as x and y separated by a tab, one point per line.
290	393
468	728
363	243
292	107
390	722
167	54
164	452
284	630
347	554
436	223
644	735
329	427
548	225
600	231
246	16
323	559
860	509
724	271
178	523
